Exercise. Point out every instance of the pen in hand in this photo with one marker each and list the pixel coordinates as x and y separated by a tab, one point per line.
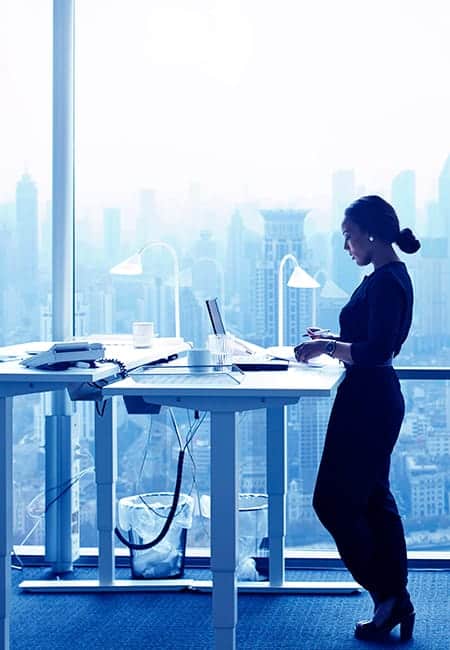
317	332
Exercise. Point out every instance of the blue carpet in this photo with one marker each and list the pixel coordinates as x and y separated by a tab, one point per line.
182	621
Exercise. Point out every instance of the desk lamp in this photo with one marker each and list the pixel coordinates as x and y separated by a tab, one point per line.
299	279
133	266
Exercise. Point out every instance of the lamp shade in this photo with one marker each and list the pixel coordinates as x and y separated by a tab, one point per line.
131	266
302	280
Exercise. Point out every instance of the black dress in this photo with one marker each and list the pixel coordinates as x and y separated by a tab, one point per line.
352	496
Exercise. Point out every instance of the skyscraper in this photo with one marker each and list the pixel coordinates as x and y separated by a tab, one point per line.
146	226
444	199
343	271
234	255
27	242
403	197
283	234
342	193
111	236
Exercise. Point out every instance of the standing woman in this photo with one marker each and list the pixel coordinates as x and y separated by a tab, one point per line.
352	497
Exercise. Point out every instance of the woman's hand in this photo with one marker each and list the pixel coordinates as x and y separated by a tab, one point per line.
310	349
316	333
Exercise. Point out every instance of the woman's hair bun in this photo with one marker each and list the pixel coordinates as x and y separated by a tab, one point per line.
407	241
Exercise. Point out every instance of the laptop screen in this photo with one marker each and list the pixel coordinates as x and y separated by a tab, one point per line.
215	316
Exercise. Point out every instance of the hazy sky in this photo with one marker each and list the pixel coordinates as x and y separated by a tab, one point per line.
243	98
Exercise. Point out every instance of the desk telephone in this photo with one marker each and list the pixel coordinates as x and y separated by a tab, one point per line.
63	355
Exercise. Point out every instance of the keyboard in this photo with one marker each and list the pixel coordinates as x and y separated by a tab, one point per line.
212	379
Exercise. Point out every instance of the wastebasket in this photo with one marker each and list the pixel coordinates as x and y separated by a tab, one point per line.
143	517
253	547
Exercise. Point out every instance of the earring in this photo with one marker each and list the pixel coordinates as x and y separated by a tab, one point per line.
371	238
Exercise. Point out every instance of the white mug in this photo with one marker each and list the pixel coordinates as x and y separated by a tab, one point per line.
199	360
143	333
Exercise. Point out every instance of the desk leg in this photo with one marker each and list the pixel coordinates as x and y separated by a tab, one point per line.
224	527
276	488
105	476
6	486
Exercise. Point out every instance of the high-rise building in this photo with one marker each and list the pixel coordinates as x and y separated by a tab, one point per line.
26	276
342	193
344	271
7	308
283	234
403	197
444	199
194	325
427	493
314	413
111	236
207	272
330	301
146	226
234	255
244	251
431	327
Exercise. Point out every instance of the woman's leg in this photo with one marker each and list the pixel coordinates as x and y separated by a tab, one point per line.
352	497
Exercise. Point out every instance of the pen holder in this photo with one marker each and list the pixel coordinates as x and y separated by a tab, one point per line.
220	347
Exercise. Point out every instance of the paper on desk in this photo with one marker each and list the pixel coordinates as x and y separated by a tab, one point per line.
287	352
282	352
321	361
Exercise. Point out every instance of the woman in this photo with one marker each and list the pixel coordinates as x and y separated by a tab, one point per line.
352	496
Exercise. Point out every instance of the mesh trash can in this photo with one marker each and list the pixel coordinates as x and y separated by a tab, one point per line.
142	516
253	550
253	546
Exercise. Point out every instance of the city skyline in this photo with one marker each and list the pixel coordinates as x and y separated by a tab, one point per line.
201	208
300	93
249	266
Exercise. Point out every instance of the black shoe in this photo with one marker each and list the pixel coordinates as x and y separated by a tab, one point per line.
389	614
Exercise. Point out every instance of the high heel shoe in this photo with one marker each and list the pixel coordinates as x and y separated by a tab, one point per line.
389	614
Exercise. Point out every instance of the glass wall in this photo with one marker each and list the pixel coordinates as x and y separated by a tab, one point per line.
25	232
237	133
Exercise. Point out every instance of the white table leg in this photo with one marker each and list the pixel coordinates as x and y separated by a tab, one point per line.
105	476
6	486
276	489
224	528
59	547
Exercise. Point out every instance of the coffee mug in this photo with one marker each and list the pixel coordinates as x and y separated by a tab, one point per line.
199	360
143	333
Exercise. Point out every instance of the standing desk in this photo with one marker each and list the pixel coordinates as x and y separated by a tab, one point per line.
15	380
272	391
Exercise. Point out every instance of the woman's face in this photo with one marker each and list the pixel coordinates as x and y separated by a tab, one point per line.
356	242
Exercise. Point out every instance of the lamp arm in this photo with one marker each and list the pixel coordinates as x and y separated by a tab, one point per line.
283	261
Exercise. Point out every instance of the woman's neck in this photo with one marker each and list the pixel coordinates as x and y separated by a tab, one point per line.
384	255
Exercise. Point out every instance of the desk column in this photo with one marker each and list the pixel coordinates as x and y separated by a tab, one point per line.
224	527
276	488
105	477
6	497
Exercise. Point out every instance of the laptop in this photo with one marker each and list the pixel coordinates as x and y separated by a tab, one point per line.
253	357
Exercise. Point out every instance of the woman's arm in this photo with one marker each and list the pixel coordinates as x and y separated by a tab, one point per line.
311	349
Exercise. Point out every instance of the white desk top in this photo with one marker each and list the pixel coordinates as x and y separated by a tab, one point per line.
298	381
116	347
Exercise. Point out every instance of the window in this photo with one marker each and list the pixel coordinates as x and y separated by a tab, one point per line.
237	132
25	232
